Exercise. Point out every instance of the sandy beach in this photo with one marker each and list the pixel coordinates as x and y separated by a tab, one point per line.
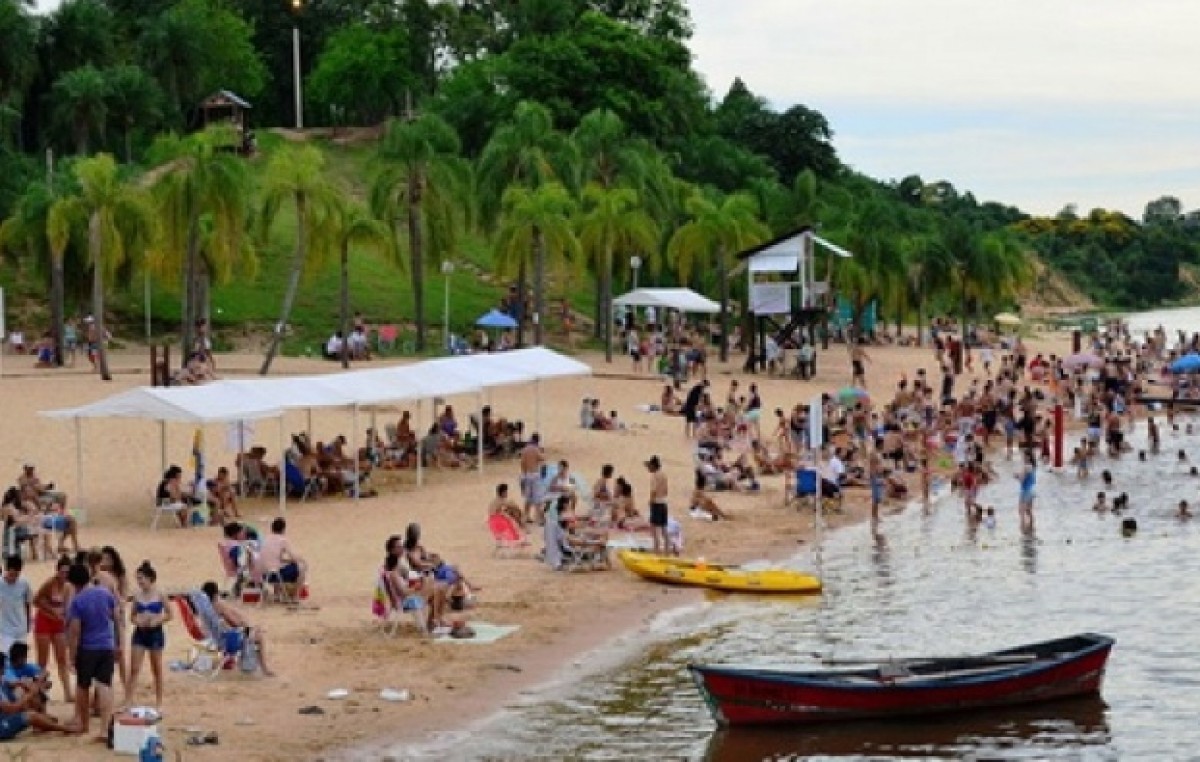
335	643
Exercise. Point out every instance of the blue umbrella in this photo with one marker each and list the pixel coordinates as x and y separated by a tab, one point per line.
496	319
1189	363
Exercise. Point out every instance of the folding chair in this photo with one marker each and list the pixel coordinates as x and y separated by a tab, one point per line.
284	592
204	655
507	536
390	606
163	506
298	486
806	488
255	480
235	562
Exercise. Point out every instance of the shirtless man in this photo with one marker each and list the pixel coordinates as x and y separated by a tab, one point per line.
658	505
532	458
602	490
276	557
237	621
502	503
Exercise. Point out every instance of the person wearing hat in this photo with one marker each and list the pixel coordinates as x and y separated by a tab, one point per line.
658	506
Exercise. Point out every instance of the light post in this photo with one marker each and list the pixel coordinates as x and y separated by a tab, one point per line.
447	269
635	264
297	6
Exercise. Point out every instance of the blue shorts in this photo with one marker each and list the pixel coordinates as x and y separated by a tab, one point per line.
11	725
876	490
57	523
149	638
289	573
1027	496
231	641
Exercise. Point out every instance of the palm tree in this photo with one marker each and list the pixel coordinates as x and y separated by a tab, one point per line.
349	225
420	183
989	267
614	221
133	101
929	270
119	220
539	222
610	157
295	174
200	188
717	228
42	236
527	152
80	100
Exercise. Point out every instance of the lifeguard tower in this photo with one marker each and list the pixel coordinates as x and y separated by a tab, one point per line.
786	298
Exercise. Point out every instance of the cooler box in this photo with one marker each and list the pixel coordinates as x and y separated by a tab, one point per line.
131	733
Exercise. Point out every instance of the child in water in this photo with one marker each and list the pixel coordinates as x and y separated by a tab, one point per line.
1184	511
989	518
1101	504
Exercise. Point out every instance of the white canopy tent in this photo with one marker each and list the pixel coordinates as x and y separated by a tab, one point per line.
682	299
252	399
197	405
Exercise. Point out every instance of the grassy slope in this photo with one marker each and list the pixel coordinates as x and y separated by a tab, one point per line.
378	287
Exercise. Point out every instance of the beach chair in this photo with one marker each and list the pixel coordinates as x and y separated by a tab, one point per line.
235	563
298	486
164	507
255	479
390	607
806	488
507	536
204	654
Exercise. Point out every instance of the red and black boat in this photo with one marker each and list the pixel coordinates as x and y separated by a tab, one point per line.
899	688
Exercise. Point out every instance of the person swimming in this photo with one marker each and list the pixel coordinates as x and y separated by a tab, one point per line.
1184	511
1129	527
1101	504
1106	477
1120	502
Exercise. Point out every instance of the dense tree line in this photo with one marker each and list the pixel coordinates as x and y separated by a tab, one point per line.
567	133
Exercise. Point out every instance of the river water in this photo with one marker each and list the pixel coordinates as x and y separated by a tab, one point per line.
919	582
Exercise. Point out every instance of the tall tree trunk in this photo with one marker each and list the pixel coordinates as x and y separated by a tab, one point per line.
56	307
344	303
204	293
721	276
289	297
598	329
605	302
188	308
416	252
522	283
128	144
920	318
539	285
95	245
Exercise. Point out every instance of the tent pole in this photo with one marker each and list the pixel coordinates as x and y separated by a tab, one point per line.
479	434
162	441
420	443
537	405
79	461
354	454
282	488
308	429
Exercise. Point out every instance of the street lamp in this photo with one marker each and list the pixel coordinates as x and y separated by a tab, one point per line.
635	264
297	6
447	269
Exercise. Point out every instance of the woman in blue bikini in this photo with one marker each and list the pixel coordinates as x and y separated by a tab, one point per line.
148	614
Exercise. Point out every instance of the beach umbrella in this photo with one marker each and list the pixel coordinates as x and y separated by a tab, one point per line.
1007	318
852	394
1082	360
1189	363
496	319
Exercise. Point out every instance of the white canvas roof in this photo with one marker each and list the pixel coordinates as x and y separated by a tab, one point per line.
249	399
189	404
682	299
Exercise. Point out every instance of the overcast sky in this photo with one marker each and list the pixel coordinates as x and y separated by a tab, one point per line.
1039	103
1034	102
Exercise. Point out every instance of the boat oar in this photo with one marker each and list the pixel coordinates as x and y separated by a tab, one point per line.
996	659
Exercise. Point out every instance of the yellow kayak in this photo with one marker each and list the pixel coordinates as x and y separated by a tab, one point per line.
731	579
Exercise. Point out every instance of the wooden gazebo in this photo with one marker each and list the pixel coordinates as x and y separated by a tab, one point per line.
227	107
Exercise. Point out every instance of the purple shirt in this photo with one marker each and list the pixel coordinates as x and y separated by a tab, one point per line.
95	608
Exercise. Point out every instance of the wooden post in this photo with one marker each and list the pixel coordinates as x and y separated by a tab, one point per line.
1058	435
153	365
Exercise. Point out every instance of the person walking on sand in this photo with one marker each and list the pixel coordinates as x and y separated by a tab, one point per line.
658	505
91	643
531	463
858	358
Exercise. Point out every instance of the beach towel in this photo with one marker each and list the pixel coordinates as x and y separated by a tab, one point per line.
381	602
